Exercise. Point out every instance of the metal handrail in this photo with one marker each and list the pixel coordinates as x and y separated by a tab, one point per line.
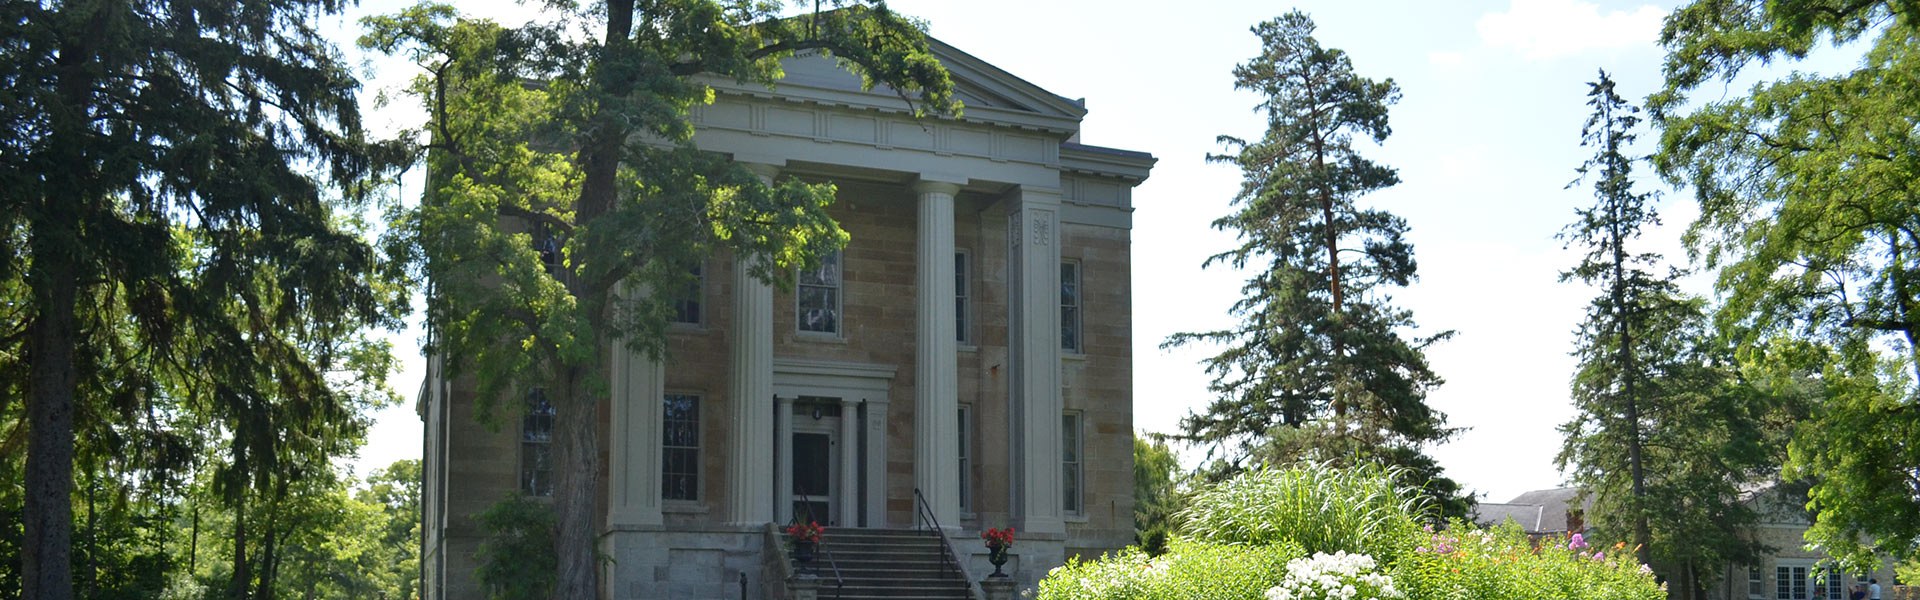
924	512
839	582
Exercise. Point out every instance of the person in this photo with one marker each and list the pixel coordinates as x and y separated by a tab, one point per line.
1873	588
1859	591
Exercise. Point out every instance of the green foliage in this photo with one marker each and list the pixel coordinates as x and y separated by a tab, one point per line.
1321	362
1806	186
1156	493
181	274
1321	508
516	559
1189	571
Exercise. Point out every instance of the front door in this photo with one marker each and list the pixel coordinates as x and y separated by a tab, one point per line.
816	460
812	476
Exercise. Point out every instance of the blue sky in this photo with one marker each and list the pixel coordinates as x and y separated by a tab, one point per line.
1486	138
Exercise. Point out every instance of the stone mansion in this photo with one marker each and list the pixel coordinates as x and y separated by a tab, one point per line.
967	356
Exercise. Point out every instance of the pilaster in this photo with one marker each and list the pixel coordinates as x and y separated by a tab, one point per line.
1034	348
847	509
783	459
936	451
877	453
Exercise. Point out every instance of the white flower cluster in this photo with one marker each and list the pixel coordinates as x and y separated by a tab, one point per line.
1338	576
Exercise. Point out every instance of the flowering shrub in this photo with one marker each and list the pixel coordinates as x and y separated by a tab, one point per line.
1337	576
1189	570
998	539
805	532
1346	534
1465	562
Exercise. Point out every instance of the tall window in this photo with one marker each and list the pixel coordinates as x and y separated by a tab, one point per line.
1070	306
686	305
536	445
680	448
966	461
819	296
1755	588
962	321
1790	583
1070	450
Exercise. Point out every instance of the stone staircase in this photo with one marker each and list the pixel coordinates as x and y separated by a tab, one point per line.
889	563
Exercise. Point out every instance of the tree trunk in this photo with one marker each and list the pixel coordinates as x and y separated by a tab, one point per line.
576	417
47	567
237	584
576	443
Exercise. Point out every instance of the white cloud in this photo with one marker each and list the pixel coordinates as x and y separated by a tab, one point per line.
1446	59
1549	29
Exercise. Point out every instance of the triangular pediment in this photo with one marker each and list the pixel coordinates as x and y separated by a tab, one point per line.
978	84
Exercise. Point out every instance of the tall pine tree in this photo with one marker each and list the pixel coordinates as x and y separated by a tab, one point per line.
1666	435
1322	362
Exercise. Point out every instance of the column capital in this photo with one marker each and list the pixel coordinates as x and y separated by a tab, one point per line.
930	184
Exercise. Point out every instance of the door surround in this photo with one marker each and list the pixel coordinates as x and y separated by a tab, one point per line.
861	470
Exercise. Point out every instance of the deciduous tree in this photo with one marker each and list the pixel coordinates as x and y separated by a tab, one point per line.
1810	209
550	206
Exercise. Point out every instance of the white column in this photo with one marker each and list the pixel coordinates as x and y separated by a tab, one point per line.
783	459
847	508
633	462
877	484
750	470
1034	345
936	446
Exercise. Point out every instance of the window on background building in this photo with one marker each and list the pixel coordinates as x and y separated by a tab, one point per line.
680	447
1790	583
966	460
687	304
1828	584
818	296
1070	454
536	445
1070	307
962	321
1755	587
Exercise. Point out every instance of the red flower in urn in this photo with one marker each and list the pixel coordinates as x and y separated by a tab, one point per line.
805	532
998	540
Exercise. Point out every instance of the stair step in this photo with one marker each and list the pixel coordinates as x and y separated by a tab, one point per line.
880	564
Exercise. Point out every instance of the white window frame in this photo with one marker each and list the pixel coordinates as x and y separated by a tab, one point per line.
962	297
698	299
533	446
834	266
667	447
1073	459
1756	583
1074	304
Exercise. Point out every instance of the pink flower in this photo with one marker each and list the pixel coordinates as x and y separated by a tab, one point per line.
1577	542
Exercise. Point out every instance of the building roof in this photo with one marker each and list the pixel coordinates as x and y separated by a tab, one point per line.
1537	512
